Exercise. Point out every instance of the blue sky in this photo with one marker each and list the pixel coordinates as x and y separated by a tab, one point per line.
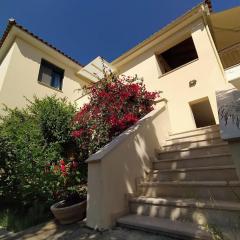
85	29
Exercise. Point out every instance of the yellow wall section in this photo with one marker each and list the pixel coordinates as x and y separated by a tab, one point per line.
175	84
4	67
21	78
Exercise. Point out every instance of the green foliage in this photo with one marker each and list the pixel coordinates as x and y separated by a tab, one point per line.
54	118
17	219
30	139
6	157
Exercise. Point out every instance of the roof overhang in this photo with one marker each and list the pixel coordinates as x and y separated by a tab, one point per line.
197	12
15	30
225	27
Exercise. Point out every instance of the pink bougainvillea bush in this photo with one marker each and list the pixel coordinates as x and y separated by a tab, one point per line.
116	103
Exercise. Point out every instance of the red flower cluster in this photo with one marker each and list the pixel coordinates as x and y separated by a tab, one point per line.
77	133
115	104
81	114
130	118
63	168
127	120
68	173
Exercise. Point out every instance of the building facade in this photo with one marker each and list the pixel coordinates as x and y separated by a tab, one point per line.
191	61
30	66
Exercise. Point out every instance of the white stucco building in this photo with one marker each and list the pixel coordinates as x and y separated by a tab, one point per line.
190	60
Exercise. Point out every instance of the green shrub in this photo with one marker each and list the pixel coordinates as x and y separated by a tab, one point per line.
15	218
30	140
54	117
7	157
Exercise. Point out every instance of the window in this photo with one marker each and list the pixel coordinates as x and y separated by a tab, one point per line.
51	75
177	56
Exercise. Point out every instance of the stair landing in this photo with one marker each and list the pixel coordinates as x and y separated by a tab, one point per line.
167	227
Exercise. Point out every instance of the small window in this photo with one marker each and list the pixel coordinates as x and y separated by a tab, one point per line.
177	56
51	75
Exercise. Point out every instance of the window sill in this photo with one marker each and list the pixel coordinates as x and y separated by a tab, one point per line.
53	88
175	69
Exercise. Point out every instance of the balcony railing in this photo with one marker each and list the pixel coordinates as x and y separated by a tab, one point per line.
230	56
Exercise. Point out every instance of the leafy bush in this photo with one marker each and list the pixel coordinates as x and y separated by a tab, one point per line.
54	117
34	139
72	176
7	157
31	139
115	104
17	218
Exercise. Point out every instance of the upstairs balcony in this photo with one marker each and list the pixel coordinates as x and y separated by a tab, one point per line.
225	30
230	58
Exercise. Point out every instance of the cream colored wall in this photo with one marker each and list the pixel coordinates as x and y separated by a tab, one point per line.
82	100
175	84
114	170
21	78
4	66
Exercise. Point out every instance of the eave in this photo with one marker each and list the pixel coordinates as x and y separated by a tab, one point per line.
15	30
154	39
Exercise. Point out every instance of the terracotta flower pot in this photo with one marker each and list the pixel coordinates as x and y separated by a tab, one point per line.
70	214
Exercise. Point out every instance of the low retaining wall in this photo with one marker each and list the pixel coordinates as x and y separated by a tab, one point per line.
114	170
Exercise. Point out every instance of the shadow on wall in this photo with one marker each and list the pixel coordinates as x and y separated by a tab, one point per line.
113	171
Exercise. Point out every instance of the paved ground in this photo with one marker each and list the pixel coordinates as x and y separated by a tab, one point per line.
79	231
4	232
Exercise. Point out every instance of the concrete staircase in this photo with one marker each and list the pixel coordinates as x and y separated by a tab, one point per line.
192	184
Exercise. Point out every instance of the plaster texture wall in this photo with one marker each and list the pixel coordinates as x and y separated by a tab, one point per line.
235	151
114	170
206	70
82	100
4	66
19	76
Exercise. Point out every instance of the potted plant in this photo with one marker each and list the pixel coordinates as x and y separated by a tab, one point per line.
72	192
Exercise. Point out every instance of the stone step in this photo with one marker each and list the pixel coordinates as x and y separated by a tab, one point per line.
176	229
192	144
194	137
203	130
190	162
219	213
194	151
208	190
214	173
